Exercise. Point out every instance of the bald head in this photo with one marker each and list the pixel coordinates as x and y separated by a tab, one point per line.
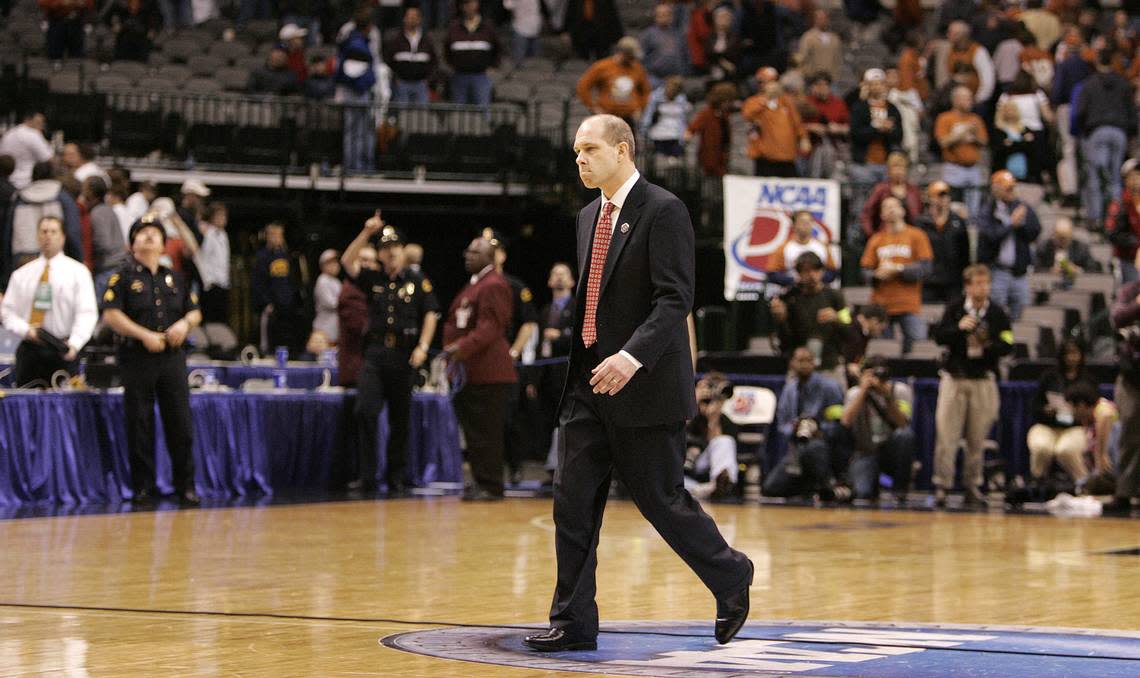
1063	232
958	33
613	129
604	147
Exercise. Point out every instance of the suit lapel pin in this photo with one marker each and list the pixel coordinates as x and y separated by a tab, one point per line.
625	227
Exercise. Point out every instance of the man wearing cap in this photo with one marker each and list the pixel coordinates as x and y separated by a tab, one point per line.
193	203
523	326
292	38
52	294
617	85
815	316
474	335
1007	228
152	308
949	241
325	295
402	317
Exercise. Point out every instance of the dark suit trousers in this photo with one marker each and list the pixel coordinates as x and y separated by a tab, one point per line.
38	362
482	412
649	461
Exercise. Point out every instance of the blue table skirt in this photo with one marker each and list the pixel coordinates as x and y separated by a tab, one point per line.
71	448
235	374
1010	431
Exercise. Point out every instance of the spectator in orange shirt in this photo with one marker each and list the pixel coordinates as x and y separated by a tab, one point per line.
962	135
777	133
617	85
897	184
895	262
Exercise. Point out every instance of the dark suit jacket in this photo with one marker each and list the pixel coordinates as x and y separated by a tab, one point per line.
481	345
564	322
646	295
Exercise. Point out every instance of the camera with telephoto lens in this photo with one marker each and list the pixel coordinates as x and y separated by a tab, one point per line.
805	431
716	390
882	374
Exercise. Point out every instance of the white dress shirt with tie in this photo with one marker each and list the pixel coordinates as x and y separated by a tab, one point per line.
73	312
618	200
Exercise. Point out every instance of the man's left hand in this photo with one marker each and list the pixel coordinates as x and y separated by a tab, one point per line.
612	374
176	333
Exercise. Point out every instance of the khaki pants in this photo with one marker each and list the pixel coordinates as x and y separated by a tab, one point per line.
1066	445
1067	166
963	403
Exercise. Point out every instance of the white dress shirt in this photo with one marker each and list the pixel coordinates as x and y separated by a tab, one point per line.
27	146
73	312
213	258
325	296
618	200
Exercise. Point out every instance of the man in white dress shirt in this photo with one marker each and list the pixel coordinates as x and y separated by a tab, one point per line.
26	144
50	302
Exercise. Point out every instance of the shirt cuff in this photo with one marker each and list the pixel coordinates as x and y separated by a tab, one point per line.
17	326
636	363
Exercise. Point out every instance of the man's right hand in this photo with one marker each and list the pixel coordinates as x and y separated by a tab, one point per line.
374	223
155	342
968	323
32	335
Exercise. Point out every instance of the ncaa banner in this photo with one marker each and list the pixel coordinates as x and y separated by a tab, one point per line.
758	220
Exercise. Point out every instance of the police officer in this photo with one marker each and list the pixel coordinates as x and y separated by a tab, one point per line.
402	316
521	408
152	308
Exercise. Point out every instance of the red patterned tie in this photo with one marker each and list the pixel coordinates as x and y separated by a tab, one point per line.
602	235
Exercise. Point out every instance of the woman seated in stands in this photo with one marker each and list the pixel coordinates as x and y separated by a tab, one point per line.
1059	434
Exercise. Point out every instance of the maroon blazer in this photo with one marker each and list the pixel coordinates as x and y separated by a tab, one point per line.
352	312
481	344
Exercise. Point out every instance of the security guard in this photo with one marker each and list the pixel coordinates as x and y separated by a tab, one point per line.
402	317
521	408
152	308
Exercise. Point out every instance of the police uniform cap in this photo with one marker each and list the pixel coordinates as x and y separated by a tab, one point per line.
496	238
390	236
148	220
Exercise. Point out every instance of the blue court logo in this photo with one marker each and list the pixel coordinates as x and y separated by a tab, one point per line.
848	649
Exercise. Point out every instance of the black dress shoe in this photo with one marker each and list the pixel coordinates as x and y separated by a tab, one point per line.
1118	507
479	494
732	611
190	498
143	497
556	640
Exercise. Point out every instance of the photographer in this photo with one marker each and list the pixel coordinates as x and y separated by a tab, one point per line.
710	457
1126	320
876	420
812	315
976	333
805	415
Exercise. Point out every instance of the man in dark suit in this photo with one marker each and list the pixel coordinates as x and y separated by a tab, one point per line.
630	390
475	334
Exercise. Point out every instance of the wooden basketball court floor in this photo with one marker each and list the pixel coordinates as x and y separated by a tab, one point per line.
309	590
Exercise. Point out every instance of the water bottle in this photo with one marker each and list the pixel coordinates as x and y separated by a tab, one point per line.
282	355
280	379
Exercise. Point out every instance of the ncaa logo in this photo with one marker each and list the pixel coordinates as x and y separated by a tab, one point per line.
799	648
